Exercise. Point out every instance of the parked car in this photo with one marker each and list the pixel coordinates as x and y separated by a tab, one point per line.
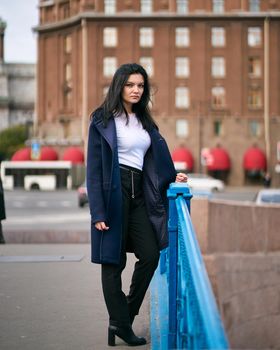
82	195
204	182
268	196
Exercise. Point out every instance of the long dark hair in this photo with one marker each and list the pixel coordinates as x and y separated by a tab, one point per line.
113	104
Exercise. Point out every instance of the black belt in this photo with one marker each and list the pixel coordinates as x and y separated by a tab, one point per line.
129	168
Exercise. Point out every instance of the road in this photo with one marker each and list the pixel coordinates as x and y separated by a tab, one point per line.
242	194
58	210
44	211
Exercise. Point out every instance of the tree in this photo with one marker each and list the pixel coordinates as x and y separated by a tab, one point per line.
12	139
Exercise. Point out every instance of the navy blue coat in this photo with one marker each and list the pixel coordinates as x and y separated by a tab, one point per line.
105	194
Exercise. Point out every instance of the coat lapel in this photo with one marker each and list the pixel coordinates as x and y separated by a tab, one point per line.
109	133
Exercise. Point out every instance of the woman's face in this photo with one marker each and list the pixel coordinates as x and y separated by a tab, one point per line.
133	89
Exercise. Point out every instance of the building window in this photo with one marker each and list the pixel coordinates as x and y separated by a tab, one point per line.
254	5
254	36
218	127
182	37
110	37
254	128
255	97
182	98
146	6
218	37
64	10
148	64
218	97
68	73
255	68
146	37
110	6
67	85
109	66
182	6
182	128
218	6
182	67
48	14
218	67
67	43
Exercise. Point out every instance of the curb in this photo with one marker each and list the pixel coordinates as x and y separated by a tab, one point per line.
46	236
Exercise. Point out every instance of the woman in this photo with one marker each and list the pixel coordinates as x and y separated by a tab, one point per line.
129	169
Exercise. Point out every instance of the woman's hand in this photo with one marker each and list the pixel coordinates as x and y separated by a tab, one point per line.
100	225
181	177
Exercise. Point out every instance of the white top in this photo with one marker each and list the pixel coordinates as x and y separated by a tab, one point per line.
133	141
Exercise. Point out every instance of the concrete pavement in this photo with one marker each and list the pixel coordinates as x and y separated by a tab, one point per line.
56	304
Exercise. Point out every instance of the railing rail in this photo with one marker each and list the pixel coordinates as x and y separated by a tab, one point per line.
194	321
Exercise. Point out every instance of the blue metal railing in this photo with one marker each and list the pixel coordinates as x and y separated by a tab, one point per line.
193	317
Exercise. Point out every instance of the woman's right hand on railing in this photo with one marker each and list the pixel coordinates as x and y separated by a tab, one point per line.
181	177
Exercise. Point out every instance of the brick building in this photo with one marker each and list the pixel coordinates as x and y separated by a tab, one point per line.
213	66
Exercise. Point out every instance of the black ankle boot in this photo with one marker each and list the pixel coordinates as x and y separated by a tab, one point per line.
126	334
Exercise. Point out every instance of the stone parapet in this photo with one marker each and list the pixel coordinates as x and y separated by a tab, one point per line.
247	289
241	247
228	226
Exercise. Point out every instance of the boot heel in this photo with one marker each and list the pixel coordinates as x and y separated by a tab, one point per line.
111	337
126	334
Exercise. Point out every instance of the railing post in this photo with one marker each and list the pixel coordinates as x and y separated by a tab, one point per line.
173	192
172	285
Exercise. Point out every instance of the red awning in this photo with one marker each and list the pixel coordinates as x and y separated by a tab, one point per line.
22	154
48	153
254	159
74	155
219	159
183	159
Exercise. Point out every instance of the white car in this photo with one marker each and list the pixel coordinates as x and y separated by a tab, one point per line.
204	182
268	196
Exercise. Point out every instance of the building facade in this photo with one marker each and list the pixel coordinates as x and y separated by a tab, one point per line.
17	89
213	66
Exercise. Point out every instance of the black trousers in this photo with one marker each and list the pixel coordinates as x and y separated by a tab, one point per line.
138	234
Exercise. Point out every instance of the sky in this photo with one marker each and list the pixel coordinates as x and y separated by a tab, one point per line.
20	42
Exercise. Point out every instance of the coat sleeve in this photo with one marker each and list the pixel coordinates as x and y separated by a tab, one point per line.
164	163
94	176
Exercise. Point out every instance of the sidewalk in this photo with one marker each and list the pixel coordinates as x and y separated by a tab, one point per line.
56	304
